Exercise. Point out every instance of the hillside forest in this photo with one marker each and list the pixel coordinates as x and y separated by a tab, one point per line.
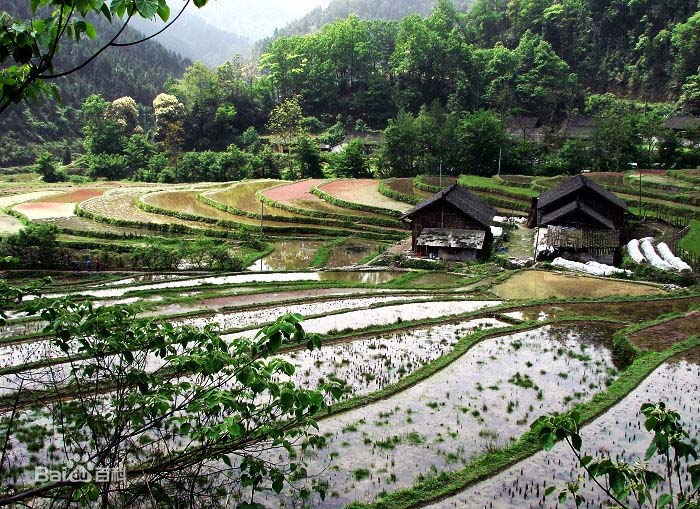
453	90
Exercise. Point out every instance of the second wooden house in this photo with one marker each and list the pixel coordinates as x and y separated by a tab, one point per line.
580	220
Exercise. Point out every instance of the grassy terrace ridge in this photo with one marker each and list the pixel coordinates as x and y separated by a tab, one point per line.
487	465
685	175
320	208
252	228
281	215
352	205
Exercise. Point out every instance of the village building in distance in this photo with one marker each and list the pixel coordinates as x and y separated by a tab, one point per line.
579	220
454	224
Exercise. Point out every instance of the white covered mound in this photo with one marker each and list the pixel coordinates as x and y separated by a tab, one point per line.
595	268
652	256
634	252
643	251
670	258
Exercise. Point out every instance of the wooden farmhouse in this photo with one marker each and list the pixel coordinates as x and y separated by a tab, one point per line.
454	224
580	220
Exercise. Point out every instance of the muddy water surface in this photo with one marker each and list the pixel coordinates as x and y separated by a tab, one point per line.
618	434
536	284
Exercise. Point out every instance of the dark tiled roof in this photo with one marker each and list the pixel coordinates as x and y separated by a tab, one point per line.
681	122
523	122
574	184
573	206
578	127
463	200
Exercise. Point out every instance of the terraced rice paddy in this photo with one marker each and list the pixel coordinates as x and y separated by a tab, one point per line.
351	252
618	434
474	403
288	255
405	186
437	368
362	191
242	196
120	205
299	196
373	277
541	285
9	224
57	206
186	202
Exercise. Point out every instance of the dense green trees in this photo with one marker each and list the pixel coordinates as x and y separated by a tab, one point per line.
420	79
47	167
351	162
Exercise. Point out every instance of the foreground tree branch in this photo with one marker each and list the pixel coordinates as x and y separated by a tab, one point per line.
28	47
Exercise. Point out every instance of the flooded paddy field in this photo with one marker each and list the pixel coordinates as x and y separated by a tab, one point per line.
33	351
19	354
385	315
288	255
536	284
482	400
618	434
627	311
352	252
371	277
366	365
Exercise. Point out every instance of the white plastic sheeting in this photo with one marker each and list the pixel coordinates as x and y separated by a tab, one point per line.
595	268
539	241
512	219
670	258
634	252
497	231
652	256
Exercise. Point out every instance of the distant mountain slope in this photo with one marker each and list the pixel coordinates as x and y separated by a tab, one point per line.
194	38
139	71
256	19
365	9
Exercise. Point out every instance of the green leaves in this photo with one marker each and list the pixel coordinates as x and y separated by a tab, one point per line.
147	8
622	479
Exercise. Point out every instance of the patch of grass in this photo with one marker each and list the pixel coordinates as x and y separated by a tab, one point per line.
360	474
523	381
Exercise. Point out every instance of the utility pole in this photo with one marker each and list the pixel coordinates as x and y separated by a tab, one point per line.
500	152
440	172
640	193
261	231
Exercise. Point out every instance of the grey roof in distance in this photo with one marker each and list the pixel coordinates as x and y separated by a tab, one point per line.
574	184
463	200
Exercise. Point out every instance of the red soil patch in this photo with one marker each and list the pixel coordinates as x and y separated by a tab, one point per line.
45	210
77	196
362	191
296	191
